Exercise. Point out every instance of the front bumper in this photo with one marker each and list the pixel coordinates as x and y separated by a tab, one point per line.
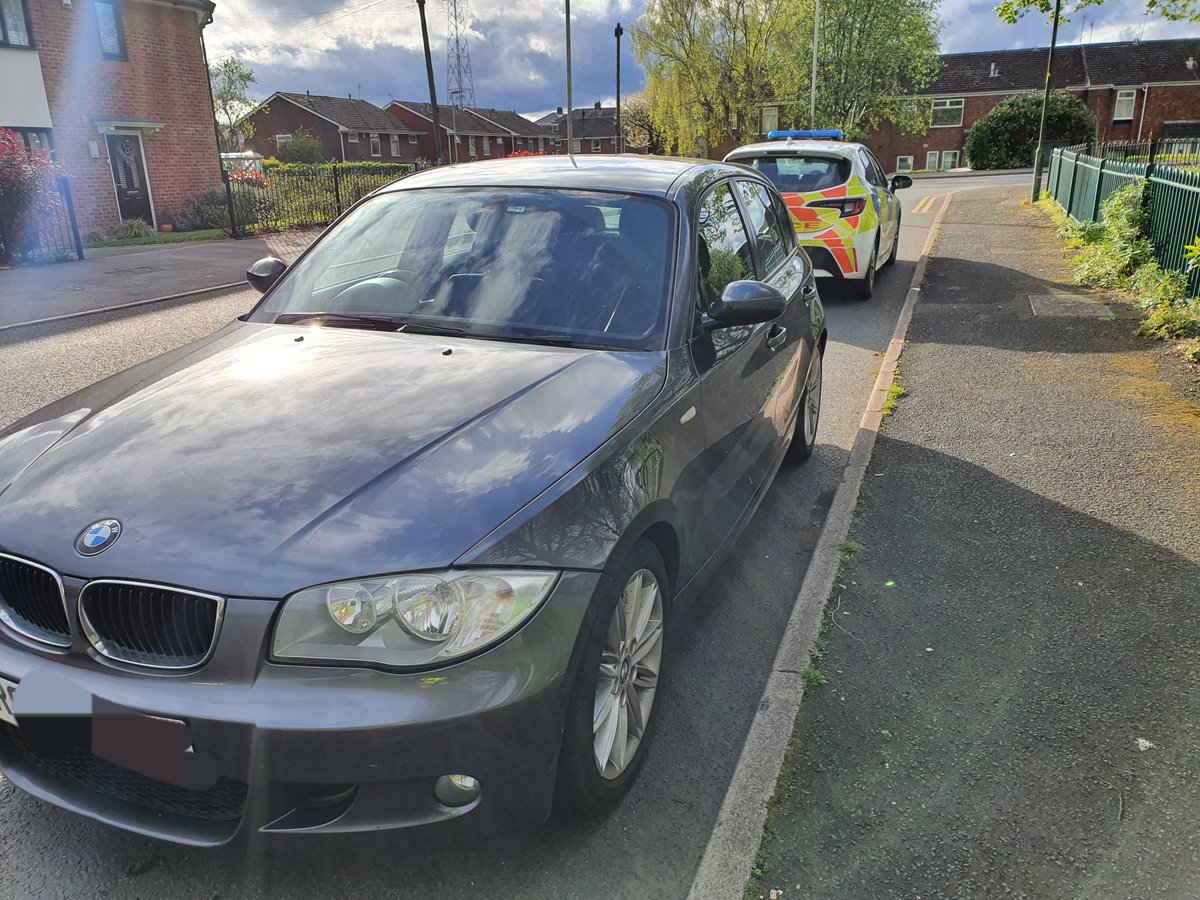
317	749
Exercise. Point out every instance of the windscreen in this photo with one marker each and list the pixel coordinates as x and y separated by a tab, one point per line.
590	268
801	174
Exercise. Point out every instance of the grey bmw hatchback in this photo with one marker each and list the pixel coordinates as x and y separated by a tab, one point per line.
409	543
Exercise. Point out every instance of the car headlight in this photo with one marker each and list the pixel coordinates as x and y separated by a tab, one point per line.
407	620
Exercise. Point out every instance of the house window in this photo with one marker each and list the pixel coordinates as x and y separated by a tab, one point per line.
770	119
576	145
947	114
282	140
1123	108
950	159
904	163
14	26
112	35
395	145
412	138
931	159
470	145
352	137
519	141
487	146
595	146
376	149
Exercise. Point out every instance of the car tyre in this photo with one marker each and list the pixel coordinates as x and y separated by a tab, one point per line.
895	244
804	435
605	692
864	288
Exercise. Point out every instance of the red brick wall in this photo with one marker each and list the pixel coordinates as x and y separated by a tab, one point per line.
426	148
1166	104
282	117
163	80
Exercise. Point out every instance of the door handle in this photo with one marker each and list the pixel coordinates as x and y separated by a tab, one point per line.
776	336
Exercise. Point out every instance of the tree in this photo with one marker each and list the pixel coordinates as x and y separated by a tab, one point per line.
302	148
1006	137
873	56
711	65
1174	10
231	80
638	125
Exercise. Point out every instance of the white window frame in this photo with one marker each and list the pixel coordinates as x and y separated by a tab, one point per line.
352	137
947	104
950	159
395	145
595	145
931	160
282	140
470	145
904	163
576	145
376	145
1126	96
769	120
412	138
487	146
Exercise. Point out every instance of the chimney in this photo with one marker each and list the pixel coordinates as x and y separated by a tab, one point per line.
349	96
597	104
560	110
995	71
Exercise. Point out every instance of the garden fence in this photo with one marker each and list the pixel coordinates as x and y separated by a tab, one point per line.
301	196
1083	177
50	234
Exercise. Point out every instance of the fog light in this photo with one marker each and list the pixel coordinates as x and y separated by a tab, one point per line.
456	790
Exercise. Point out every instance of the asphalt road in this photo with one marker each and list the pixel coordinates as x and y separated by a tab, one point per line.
652	844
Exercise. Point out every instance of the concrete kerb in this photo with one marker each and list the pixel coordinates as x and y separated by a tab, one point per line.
726	865
121	306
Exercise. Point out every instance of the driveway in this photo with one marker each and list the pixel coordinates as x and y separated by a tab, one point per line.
652	844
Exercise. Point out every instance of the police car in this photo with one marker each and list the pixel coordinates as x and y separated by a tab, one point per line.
843	206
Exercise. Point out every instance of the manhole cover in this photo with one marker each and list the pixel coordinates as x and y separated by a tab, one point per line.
136	270
1075	305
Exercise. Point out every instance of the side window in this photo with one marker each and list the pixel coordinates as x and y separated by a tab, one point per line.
722	245
785	223
880	172
871	169
761	215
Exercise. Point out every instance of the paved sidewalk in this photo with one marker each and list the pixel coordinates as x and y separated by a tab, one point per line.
1013	706
117	275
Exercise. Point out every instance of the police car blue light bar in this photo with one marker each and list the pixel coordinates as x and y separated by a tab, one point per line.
829	135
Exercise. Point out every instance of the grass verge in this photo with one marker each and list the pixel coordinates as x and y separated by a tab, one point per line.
174	237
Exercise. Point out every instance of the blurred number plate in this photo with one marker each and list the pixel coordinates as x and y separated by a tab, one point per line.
8	691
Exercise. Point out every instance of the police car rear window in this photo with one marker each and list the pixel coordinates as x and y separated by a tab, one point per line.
801	174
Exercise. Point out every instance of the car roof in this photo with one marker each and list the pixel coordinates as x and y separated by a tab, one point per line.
628	173
793	145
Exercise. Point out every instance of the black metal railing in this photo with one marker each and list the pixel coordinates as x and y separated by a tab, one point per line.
49	234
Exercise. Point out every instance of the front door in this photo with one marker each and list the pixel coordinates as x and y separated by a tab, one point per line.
129	176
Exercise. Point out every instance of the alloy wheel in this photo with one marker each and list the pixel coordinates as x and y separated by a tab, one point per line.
629	672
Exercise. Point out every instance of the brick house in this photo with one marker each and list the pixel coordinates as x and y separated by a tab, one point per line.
118	91
593	129
1134	89
472	132
348	129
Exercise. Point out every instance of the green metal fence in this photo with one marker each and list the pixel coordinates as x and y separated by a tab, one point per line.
1082	178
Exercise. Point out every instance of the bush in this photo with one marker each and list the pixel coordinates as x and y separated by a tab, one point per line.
25	194
1170	322
131	228
208	209
302	148
1006	137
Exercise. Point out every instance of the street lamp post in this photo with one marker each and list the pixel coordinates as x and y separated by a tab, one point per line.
620	139
569	114
455	99
812	101
1041	144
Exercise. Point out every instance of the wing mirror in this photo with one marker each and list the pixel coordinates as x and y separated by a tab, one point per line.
265	273
899	182
747	303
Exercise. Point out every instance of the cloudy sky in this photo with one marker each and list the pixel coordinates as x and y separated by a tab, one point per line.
372	48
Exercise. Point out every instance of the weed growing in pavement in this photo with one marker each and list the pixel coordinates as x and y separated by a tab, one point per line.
813	677
850	549
894	395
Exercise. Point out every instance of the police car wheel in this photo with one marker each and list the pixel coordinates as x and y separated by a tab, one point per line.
895	245
865	287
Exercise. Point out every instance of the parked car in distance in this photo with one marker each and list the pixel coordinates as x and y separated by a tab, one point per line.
843	205
409	543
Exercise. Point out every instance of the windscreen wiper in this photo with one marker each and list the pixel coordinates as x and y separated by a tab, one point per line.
339	320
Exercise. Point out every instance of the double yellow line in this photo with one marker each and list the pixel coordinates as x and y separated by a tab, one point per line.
927	204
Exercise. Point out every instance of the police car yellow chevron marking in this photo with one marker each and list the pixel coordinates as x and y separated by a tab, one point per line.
819	226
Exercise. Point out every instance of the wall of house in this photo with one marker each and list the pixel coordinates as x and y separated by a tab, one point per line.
1166	103
426	148
282	117
162	80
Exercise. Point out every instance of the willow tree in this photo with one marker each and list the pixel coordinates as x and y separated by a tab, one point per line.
710	64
